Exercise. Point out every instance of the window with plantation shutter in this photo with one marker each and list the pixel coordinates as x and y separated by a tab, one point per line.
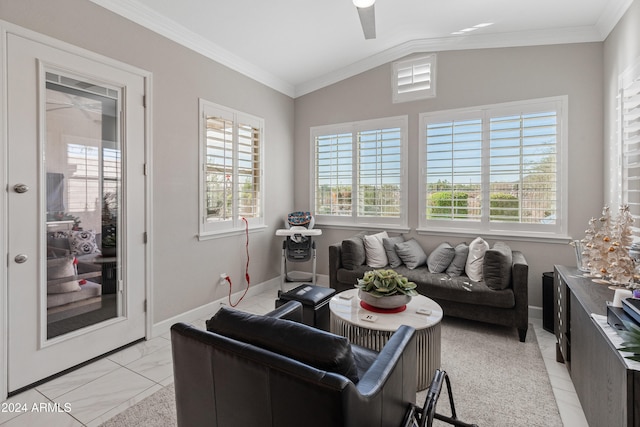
494	168
231	178
84	177
629	113
359	173
414	79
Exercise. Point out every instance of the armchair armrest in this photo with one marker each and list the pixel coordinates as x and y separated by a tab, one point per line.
292	310
398	356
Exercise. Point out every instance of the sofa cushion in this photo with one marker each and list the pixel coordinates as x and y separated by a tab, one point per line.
390	248
376	256
475	260
61	268
441	286
456	268
353	252
411	253
306	344
497	266
83	242
440	258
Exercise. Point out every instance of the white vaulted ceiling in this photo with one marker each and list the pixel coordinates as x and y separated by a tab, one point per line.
298	46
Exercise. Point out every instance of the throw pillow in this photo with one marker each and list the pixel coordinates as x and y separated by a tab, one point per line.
83	242
304	343
456	268
61	268
376	256
440	258
411	253
353	253
390	248
477	249
497	266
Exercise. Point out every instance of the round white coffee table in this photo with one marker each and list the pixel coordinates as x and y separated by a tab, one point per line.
373	330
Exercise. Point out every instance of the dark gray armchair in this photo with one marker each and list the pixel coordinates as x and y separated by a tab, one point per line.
251	370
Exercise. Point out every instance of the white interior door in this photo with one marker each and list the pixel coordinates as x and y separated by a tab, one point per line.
76	213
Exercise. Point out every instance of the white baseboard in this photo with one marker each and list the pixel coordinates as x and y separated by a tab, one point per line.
535	312
207	310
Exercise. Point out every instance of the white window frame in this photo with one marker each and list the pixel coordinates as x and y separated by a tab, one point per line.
413	87
484	226
235	224
354	220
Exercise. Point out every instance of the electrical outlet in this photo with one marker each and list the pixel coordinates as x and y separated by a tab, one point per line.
223	279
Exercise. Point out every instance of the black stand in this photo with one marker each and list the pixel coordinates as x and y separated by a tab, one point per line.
414	418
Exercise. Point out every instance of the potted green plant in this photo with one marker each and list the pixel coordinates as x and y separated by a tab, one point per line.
385	289
631	342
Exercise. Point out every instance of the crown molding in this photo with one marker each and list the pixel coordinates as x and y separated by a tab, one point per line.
148	18
486	41
611	16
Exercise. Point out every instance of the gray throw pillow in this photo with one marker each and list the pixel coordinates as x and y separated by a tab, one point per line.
497	266
389	247
411	253
440	258
353	252
456	268
306	344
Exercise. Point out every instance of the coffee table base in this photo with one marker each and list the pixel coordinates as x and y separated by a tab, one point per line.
427	343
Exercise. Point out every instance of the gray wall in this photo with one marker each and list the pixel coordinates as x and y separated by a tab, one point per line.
471	78
185	270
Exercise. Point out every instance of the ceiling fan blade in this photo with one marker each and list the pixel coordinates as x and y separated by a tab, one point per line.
368	21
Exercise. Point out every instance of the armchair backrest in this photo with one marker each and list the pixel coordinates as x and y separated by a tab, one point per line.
223	381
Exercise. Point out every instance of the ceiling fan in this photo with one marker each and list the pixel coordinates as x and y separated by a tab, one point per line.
367	17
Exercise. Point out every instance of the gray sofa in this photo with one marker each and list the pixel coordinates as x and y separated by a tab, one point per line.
458	296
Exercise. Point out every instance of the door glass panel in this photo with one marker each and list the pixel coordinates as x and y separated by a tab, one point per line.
82	161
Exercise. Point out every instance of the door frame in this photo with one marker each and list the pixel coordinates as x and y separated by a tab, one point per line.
9	28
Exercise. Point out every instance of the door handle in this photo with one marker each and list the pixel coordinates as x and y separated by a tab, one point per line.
21	188
21	258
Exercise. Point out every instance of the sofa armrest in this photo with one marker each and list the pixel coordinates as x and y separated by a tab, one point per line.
292	310
335	263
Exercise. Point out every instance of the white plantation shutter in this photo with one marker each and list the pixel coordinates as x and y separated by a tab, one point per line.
333	174
523	167
83	186
249	173
453	161
380	173
219	169
414	79
630	129
359	172
231	169
493	168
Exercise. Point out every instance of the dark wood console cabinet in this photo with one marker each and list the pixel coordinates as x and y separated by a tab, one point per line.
608	390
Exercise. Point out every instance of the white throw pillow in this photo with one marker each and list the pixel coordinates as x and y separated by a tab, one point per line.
477	249
376	255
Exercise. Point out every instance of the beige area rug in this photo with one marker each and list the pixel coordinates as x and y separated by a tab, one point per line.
496	381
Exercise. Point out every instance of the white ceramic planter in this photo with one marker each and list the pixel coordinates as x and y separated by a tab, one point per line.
394	301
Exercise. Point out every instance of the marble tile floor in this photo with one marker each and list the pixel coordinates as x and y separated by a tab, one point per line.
99	391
